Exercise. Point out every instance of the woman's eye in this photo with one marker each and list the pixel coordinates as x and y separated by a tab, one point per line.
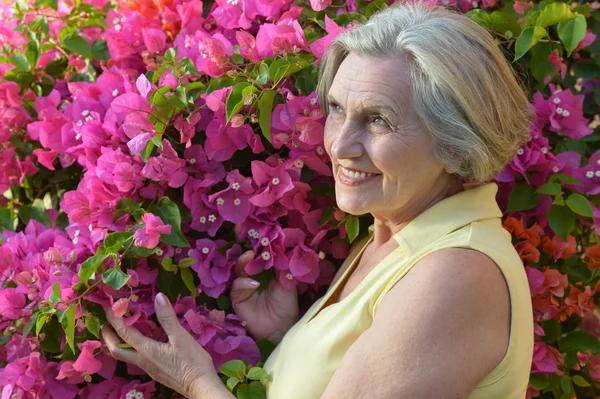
379	121
333	107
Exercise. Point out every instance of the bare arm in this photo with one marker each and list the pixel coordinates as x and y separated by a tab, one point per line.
437	333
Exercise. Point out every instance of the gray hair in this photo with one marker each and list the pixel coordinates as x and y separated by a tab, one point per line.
463	88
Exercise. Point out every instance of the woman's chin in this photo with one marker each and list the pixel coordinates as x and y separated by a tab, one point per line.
353	206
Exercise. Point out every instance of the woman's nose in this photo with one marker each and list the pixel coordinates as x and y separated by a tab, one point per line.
346	143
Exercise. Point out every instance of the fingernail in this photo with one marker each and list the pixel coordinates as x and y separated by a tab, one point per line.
160	299
254	283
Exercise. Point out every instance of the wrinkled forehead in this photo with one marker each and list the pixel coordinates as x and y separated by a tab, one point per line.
361	80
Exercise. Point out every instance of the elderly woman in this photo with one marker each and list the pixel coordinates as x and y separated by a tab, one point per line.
434	303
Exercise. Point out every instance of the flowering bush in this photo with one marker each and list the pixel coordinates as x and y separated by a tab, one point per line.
146	145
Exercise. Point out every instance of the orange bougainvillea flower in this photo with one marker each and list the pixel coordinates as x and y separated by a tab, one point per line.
555	281
514	226
579	302
564	249
592	257
532	235
527	251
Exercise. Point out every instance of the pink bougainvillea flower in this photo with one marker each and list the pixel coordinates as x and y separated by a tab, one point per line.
521	7
233	202
155	40
587	40
319	46
320	5
120	307
273	183
86	363
284	37
148	236
247	44
214	54
558	63
167	167
563	111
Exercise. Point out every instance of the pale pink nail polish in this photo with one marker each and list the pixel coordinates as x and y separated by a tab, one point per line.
160	299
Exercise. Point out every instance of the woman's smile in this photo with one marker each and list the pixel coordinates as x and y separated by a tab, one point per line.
353	177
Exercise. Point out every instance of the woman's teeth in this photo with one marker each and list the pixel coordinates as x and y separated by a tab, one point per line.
355	175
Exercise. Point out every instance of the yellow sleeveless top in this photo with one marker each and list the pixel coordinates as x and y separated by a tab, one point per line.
302	365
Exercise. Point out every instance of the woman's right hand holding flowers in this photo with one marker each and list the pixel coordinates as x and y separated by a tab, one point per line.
268	314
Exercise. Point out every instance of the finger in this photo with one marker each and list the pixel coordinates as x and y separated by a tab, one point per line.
241	263
130	335
167	317
242	289
112	341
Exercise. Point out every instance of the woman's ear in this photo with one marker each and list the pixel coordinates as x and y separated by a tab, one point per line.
449	171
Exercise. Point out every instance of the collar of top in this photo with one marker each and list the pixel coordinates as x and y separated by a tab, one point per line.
477	202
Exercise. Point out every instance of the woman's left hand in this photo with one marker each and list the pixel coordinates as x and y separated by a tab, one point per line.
181	363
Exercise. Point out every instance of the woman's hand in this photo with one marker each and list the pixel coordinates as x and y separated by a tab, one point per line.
269	314
181	363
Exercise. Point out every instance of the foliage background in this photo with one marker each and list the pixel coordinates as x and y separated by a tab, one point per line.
146	144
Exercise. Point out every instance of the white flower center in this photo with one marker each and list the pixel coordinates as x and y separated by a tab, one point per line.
115	92
520	151
220	201
266	255
202	219
556	100
321	255
190	252
212	218
264	242
275	181
177	250
559	110
597	173
289	276
79	123
320	150
237	201
589	174
299	164
555	169
205	250
118	27
544	150
158	252
192	161
313	101
85	112
235	186
566	113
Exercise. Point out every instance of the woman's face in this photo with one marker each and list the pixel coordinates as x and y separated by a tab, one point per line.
382	156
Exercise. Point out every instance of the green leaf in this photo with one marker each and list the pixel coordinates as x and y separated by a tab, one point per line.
571	32
87	270
285	67
188	279
265	110
28	212
561	220
167	264
70	329
502	22
231	368
562	178
32	52
257	390
92	324
522	198
115	278
326	215
538	381
6	220
554	13
587	70
100	50
27	327
527	39
258	373
540	66
186	263
550	189
352	227
565	384
40	322
580	205
232	382
169	213
265	347
77	44
243	392
235	101
223	302
55	296
580	381
263	73
19	60
116	241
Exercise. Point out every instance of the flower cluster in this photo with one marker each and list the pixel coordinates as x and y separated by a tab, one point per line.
144	146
